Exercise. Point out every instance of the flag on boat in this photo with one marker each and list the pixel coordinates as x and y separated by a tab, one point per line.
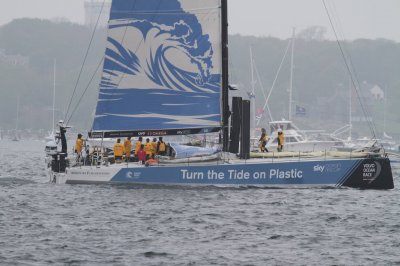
259	113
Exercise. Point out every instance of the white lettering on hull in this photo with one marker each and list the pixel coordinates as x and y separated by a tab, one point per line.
241	175
187	175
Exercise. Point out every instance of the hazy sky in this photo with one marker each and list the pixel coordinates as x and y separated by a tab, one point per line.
358	18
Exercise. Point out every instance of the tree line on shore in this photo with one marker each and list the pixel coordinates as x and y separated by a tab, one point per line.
320	75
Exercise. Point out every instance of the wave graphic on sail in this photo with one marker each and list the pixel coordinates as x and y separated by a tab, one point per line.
156	47
152	54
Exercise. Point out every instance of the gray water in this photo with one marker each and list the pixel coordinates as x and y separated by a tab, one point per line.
43	223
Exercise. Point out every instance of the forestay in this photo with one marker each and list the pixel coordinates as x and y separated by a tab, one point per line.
162	69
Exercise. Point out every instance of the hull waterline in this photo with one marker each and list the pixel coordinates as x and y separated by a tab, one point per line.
367	173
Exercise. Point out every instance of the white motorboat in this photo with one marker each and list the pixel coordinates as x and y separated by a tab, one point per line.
297	140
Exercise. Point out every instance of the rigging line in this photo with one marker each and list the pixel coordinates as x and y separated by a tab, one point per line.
254	64
341	33
352	72
263	93
354	79
84	92
84	60
276	77
338	22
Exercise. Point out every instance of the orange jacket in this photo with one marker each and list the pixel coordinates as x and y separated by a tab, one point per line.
128	146
137	147
281	139
78	145
118	149
161	146
154	147
148	148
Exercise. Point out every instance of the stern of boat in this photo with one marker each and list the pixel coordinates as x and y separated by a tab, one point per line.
57	168
371	173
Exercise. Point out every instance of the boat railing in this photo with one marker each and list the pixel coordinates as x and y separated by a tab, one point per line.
325	154
225	158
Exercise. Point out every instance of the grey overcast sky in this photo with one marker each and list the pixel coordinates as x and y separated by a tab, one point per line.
358	18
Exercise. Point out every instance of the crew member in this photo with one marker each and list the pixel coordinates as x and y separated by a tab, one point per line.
148	147
154	147
79	144
281	139
263	140
118	151
137	146
141	155
128	148
161	147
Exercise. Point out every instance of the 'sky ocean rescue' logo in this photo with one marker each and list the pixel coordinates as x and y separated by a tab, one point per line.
328	168
133	175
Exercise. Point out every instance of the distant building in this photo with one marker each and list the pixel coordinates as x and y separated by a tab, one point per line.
372	91
377	92
13	60
92	12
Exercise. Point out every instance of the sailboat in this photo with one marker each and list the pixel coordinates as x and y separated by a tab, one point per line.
52	136
296	140
165	73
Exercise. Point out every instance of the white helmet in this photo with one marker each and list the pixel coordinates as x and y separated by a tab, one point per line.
280	130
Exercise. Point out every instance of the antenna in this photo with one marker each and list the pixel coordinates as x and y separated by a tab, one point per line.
253	87
291	76
17	121
350	109
54	93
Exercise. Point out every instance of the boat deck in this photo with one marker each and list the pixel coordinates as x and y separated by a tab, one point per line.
256	158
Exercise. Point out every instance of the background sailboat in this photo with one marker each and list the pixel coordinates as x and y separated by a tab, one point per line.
295	138
51	136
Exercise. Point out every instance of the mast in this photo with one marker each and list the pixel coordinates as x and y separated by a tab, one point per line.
350	108
17	121
225	76
253	95
291	76
384	112
54	94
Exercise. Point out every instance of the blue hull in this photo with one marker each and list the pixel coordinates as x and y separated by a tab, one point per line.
358	173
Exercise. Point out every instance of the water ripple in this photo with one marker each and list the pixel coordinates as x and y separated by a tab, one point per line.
46	224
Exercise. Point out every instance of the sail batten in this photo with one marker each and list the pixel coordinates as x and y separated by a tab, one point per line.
162	67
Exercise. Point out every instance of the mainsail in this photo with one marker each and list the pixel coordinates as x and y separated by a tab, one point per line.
162	69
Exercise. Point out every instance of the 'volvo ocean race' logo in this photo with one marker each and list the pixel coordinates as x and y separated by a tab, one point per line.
371	171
